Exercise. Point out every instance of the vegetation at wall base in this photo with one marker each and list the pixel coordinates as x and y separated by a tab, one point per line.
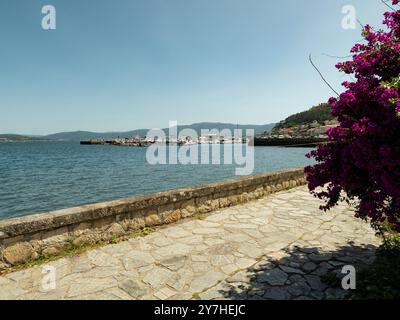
381	280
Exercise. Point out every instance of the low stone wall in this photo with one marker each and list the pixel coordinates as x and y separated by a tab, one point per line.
48	234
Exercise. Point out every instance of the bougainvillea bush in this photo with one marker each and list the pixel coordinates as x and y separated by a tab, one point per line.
361	162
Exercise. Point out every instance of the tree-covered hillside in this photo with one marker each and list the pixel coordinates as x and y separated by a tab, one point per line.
319	113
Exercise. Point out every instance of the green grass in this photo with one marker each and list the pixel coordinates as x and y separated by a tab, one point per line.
331	279
73	250
381	280
200	215
196	296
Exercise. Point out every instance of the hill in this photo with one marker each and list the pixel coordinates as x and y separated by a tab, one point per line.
18	138
87	135
319	114
312	123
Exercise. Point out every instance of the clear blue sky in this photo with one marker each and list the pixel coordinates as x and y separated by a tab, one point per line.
127	64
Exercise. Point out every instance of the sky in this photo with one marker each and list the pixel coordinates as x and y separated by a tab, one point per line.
128	64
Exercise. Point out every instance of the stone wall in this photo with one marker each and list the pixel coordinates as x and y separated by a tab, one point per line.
49	234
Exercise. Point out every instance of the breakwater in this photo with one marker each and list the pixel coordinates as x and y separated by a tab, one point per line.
49	234
288	142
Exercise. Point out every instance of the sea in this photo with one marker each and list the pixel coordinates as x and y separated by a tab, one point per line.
37	177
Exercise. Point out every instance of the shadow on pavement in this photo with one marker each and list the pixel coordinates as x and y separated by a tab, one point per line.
297	273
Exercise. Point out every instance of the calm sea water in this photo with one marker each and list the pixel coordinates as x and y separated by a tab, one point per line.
43	176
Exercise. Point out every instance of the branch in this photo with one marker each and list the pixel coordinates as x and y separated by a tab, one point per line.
387	5
359	22
319	72
337	57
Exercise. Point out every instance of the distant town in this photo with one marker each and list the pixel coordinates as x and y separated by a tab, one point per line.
310	130
306	128
138	141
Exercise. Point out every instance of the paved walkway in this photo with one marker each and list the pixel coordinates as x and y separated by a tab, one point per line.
273	248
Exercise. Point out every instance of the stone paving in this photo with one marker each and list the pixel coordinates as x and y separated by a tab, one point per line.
277	247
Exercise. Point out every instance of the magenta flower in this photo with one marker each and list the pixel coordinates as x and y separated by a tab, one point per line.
362	158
